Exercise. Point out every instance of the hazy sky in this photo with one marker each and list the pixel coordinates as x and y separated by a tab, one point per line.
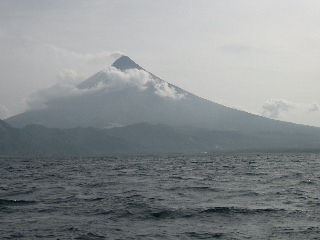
258	56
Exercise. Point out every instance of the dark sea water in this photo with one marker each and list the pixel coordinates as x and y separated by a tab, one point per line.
235	196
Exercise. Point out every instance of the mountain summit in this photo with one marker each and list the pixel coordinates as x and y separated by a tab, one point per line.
124	62
125	94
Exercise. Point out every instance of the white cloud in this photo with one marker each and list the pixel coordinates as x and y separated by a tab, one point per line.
102	56
71	76
112	80
4	112
94	58
140	79
118	80
41	97
164	90
314	107
276	108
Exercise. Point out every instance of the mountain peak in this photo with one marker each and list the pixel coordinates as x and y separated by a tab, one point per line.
124	63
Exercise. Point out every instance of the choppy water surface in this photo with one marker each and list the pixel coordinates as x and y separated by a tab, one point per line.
268	196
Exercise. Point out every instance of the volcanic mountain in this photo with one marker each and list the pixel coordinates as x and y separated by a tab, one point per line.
125	94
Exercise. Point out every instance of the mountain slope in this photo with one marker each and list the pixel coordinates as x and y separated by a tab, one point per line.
125	94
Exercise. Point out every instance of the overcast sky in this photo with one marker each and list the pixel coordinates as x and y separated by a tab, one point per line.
258	56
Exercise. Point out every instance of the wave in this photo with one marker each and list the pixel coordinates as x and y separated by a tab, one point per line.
160	200
240	210
195	188
187	213
6	202
206	235
90	235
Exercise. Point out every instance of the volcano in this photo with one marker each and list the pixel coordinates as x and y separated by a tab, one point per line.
125	94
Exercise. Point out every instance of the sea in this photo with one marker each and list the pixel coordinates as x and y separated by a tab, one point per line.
219	196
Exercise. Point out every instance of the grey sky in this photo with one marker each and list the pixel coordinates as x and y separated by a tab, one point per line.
259	56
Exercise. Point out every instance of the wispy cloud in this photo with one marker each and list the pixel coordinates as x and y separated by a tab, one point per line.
111	80
94	58
116	80
274	108
237	48
70	75
163	89
41	97
314	107
243	49
4	112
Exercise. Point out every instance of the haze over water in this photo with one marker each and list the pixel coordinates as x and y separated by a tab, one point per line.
243	196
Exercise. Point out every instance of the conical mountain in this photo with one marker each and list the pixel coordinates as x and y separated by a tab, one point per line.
124	63
125	94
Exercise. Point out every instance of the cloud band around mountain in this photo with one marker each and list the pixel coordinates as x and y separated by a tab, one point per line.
113	80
